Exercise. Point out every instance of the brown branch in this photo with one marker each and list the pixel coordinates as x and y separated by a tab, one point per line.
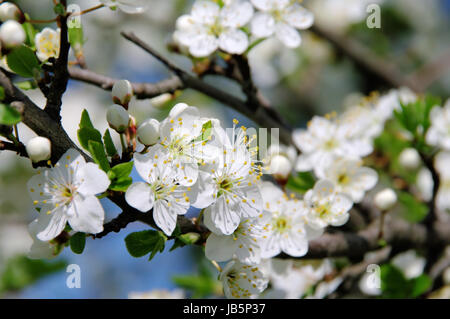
61	74
383	71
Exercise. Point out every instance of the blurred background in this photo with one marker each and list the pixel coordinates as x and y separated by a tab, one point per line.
313	79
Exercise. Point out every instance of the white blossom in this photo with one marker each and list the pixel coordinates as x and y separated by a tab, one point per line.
385	199
40	249
122	92
161	189
9	11
148	132
409	158
410	264
286	229
244	243
442	164
12	34
47	44
326	206
127	6
66	193
282	18
323	141
439	133
209	27
39	149
280	161
118	118
242	281
350	177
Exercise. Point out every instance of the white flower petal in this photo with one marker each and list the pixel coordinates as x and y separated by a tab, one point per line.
233	41
205	12
220	216
86	214
236	15
288	35
51	224
140	196
262	25
298	17
164	217
93	180
219	247
201	194
203	45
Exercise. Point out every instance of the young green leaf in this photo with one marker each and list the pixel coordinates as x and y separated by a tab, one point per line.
120	177
98	154
87	134
78	242
109	144
8	115
301	183
23	61
142	243
85	120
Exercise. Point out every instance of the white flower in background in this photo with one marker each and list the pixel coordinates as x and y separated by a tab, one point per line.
291	279
424	183
12	34
40	249
158	294
442	164
323	141
47	44
385	199
409	263
209	27
185	148
439	132
9	11
118	118
326	206
409	158
350	177
148	132
282	18
286	229
280	161
127	6
244	243
67	192
122	92
229	186
242	281
161	189
325	288
39	149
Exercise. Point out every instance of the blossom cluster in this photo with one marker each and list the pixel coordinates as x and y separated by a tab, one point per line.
232	26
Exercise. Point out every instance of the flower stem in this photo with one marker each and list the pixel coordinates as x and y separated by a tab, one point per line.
215	264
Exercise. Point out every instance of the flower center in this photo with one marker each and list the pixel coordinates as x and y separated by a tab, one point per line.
343	179
330	144
281	224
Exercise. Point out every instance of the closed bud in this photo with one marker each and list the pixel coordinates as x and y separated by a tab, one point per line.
161	100
409	158
118	118
385	199
39	149
148	132
280	167
9	11
122	92
12	34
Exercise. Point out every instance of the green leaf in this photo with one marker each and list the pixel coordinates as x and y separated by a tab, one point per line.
301	183
2	93
85	120
120	177
8	115
189	238
412	209
109	144
206	132
78	242
87	134
26	85
142	243
30	32
98	154
20	272
23	61
59	9
393	282
421	285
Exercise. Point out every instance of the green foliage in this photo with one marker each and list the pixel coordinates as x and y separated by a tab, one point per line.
202	285
120	177
87	132
30	32
59	9
21	271
2	93
395	285
8	115
144	242
412	209
109	144
85	120
301	183
98	154
78	242
26	85
23	61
